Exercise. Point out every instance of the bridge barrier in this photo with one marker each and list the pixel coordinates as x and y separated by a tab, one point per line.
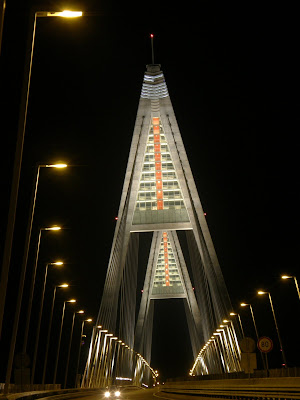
253	388
39	394
272	373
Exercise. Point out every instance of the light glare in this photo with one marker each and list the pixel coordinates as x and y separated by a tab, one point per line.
70	14
57	165
53	228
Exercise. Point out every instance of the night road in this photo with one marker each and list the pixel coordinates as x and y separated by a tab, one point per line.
139	394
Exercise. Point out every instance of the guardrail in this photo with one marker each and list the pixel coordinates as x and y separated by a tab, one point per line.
263	388
57	394
240	393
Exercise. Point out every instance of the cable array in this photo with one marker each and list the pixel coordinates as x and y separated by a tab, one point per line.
111	361
220	354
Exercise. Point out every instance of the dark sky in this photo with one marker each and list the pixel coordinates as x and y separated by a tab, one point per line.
233	76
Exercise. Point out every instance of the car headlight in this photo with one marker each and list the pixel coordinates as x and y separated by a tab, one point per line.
107	394
117	393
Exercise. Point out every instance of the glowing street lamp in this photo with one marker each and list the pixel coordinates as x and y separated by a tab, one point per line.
19	301
59	338
70	342
32	284
253	319
63	286
64	14
256	331
58	166
37	335
295	280
27	243
80	344
261	293
18	161
240	321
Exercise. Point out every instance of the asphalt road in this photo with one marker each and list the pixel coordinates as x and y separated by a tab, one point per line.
140	394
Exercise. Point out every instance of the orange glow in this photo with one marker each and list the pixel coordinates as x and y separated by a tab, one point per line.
160	205
165	238
157	157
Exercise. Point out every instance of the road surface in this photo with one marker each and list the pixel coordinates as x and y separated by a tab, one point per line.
139	394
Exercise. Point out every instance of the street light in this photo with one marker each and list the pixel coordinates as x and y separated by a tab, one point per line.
256	331
64	286
70	342
80	344
27	238
253	319
261	293
32	284
37	335
19	153
18	310
240	321
295	280
59	338
65	14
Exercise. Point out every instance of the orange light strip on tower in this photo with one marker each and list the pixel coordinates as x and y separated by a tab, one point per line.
167	278
157	157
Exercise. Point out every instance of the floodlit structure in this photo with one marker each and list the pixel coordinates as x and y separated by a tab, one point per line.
160	196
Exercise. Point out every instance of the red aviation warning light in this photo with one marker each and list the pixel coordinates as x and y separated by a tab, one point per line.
152	50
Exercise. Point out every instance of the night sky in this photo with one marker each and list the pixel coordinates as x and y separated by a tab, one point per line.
233	77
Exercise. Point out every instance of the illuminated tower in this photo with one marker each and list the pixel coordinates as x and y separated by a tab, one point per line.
160	196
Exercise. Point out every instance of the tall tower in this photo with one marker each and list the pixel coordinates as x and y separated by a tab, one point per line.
160	196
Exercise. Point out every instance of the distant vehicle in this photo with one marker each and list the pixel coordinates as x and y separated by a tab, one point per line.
113	392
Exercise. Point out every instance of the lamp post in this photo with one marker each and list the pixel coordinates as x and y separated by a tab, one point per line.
19	152
4	276
295	280
94	353
59	338
256	331
261	293
64	285
79	351
37	335
70	343
32	283
17	316
253	319
240	321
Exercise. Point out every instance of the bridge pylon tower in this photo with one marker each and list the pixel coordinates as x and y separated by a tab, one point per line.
160	196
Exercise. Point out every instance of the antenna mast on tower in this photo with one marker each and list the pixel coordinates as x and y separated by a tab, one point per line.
152	36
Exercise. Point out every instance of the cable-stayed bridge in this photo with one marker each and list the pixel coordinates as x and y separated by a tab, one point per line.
160	196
